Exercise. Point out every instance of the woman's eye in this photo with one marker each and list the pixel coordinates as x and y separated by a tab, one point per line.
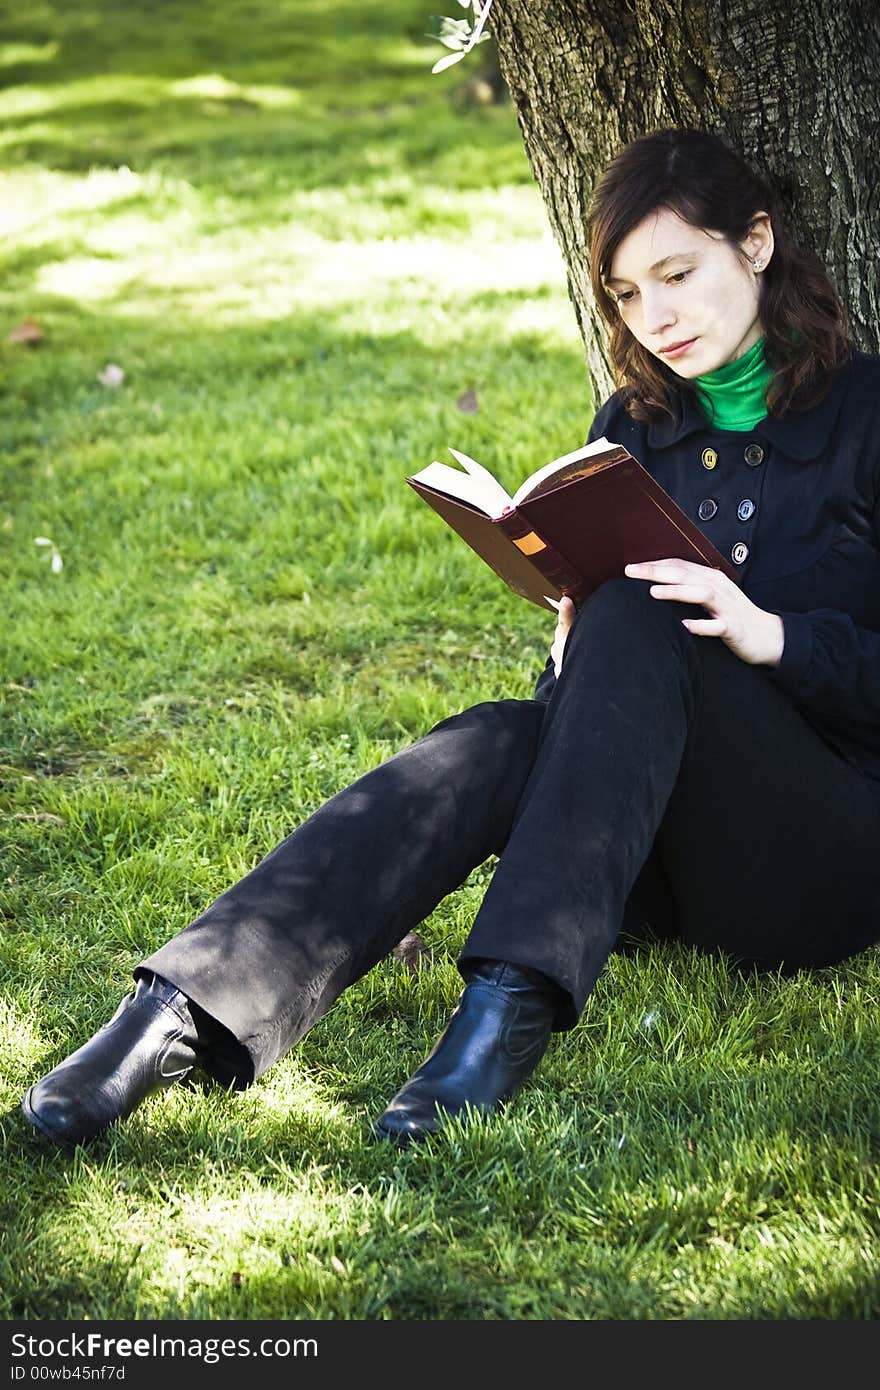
679	276
625	297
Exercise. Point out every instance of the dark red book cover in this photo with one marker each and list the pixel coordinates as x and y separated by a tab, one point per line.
579	528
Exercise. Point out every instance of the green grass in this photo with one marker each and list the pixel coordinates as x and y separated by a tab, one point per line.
302	249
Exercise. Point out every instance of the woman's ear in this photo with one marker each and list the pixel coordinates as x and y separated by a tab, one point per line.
758	245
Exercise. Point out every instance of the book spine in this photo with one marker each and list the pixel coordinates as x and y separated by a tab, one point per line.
553	566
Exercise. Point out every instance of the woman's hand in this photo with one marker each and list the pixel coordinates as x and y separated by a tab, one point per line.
755	636
565	615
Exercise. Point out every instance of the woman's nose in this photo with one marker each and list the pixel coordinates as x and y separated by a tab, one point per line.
658	311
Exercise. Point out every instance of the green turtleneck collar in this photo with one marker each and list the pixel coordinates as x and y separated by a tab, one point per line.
733	397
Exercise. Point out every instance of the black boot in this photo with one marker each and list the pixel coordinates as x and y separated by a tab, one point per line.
150	1042
491	1046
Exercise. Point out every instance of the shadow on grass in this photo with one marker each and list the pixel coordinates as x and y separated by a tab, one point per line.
317	94
540	1213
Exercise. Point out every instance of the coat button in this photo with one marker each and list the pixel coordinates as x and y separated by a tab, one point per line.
753	455
707	509
709	459
740	553
745	509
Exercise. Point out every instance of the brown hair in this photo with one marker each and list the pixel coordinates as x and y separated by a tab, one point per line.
698	176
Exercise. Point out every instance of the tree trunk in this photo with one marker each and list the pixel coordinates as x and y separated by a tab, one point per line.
793	84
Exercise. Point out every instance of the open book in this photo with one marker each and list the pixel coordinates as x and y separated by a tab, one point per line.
569	526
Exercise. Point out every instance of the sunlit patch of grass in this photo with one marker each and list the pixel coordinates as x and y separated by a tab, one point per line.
15	54
284	270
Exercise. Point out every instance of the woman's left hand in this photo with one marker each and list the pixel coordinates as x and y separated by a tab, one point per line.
755	636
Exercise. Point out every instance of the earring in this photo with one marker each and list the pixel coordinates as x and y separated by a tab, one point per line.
757	264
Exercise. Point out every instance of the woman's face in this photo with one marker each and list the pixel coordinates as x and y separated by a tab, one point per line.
678	284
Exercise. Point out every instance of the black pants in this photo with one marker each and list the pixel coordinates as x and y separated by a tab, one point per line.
666	787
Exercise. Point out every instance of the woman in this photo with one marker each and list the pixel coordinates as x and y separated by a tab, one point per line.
701	757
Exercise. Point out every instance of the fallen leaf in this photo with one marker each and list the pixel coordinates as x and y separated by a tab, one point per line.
56	561
412	952
468	403
111	375
27	334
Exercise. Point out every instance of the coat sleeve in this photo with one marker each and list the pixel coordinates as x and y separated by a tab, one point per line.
830	666
547	679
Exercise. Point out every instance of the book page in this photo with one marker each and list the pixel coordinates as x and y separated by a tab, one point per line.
476	485
561	468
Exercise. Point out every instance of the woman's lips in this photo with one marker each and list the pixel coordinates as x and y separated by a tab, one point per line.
679	350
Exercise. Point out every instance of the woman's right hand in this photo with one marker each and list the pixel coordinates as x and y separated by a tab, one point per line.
565	616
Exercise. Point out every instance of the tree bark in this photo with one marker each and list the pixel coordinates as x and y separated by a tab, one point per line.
794	84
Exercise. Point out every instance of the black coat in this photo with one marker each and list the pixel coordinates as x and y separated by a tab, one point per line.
797	509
